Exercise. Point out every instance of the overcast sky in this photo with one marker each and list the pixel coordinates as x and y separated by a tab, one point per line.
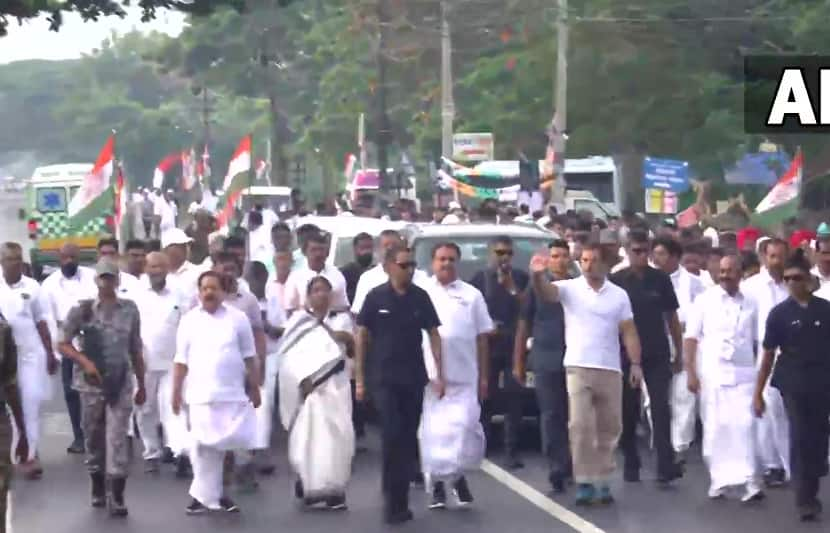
33	40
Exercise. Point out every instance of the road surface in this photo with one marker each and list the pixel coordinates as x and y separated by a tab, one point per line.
504	503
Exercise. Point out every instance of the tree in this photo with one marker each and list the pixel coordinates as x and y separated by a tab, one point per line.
94	9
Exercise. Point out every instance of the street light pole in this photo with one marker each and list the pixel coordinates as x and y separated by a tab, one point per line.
447	102
560	91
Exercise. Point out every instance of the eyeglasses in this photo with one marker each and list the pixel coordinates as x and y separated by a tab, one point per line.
796	279
501	253
407	265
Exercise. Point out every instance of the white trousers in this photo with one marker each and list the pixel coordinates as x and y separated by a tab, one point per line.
265	412
157	409
773	433
34	384
684	406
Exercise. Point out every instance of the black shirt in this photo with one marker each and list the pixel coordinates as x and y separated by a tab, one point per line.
352	273
803	335
395	322
652	296
547	327
504	308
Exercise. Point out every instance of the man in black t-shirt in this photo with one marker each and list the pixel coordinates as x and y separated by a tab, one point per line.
390	323
800	328
655	305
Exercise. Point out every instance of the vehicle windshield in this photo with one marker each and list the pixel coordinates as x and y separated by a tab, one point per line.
275	202
474	252
600	184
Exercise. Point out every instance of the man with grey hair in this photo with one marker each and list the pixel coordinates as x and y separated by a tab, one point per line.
20	304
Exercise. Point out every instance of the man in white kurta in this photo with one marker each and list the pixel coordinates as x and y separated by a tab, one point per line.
767	289
161	308
215	350
316	253
720	364
20	305
452	438
667	255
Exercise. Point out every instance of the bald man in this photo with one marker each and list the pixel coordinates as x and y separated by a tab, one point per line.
160	307
60	292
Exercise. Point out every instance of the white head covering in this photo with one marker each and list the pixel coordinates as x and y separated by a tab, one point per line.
712	234
451	219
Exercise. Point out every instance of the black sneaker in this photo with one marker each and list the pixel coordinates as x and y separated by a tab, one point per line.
167	456
76	448
195	508
183	468
557	482
462	492
418	481
775	478
439	496
398	517
667	478
228	505
336	503
151	466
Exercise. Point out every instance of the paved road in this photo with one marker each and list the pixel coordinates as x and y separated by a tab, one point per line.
59	503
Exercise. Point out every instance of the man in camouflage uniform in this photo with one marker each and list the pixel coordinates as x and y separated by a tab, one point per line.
9	395
108	329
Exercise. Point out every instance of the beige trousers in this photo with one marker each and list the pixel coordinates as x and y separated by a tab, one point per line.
595	422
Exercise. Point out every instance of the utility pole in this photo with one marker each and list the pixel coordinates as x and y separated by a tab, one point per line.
383	133
447	102
206	110
560	91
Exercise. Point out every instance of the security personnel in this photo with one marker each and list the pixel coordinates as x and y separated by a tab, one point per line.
108	328
9	395
800	328
393	317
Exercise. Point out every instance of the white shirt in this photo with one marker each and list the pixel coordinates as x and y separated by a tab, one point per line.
823	291
59	294
765	294
260	247
274	315
687	287
160	312
296	287
214	348
375	277
20	304
162	209
186	279
824	280
725	328
464	316
707	279
128	285
592	323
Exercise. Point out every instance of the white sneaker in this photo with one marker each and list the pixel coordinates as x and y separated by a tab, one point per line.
753	493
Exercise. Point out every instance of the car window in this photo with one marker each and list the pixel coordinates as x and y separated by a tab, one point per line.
51	199
474	252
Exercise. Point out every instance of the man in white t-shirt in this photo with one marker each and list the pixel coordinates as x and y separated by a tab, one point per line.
316	250
597	313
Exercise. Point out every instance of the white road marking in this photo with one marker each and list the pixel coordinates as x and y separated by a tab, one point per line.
538	499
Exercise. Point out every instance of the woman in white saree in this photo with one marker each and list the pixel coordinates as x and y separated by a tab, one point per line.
315	398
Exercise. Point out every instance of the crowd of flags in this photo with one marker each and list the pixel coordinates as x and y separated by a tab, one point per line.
105	189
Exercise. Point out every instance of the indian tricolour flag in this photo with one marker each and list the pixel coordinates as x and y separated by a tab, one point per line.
95	197
785	191
237	178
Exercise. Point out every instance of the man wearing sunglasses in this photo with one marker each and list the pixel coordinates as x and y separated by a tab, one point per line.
503	288
799	330
392	319
655	305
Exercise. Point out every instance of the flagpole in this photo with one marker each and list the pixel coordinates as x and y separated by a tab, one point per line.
251	176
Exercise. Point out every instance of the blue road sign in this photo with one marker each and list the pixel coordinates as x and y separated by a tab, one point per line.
667	174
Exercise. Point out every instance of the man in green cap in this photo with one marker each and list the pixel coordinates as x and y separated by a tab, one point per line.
109	347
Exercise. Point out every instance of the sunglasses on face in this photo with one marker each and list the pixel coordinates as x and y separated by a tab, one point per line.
502	253
407	264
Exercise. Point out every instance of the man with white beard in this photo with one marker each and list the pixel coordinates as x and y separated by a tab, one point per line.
20	304
667	253
161	308
766	290
725	378
215	348
452	438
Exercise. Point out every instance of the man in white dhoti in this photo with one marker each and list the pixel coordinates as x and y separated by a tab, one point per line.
20	304
161	308
451	437
315	397
667	254
767	289
721	330
215	350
